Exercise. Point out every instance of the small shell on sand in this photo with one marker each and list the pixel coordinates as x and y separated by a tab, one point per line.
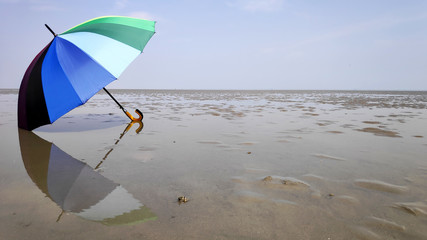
380	186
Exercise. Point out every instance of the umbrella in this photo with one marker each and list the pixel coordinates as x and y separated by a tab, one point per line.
76	187
77	64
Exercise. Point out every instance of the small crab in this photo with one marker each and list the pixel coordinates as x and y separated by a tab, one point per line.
182	199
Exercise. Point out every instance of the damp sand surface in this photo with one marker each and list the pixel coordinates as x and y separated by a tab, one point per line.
244	164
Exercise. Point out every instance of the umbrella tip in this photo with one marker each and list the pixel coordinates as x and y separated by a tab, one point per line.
50	29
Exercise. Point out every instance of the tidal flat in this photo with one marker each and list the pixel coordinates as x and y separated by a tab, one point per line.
250	164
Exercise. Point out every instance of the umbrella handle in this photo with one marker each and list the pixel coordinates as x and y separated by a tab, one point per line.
141	116
140	126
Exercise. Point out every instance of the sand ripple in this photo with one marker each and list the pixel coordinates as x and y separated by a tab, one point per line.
380	186
364	233
384	223
286	182
347	199
210	142
324	156
414	208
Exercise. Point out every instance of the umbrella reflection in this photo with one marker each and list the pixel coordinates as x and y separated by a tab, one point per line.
76	187
129	126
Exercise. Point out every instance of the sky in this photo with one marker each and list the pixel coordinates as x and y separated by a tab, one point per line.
242	44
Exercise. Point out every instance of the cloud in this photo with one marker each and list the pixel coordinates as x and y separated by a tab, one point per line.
141	14
257	5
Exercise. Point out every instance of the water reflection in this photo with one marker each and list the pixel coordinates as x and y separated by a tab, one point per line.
128	127
78	188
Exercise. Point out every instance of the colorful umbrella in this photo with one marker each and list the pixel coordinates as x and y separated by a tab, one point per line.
76	187
78	63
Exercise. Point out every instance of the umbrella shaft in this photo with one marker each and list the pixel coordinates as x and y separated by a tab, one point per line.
114	99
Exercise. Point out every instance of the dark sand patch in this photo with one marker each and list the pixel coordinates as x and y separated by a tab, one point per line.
397	120
348	125
214	114
380	132
335	132
371	122
323	123
380	186
418	136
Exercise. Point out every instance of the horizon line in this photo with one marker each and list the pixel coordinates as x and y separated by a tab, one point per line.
265	89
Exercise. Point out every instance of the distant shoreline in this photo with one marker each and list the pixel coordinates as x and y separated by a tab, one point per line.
249	90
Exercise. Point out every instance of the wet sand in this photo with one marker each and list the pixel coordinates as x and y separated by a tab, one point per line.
253	165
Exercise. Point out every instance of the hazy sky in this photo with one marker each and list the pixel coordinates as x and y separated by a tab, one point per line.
242	44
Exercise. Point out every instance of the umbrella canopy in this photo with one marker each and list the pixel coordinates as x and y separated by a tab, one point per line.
76	187
78	63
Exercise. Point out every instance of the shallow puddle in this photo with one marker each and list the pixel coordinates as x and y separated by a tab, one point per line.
252	165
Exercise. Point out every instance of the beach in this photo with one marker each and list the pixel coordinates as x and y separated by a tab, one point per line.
252	164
